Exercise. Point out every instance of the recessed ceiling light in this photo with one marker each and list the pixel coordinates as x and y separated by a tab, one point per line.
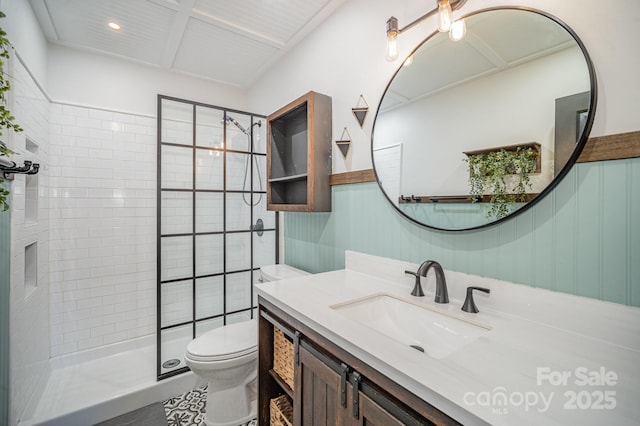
114	26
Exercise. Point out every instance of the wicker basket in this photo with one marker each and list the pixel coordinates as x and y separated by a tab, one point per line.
283	357
281	411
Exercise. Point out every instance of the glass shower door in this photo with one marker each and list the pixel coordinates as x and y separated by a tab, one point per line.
214	231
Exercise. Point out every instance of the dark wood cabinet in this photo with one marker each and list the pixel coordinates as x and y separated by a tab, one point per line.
331	386
299	155
317	400
326	397
372	414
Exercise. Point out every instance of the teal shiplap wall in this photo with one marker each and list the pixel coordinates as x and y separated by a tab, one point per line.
583	238
5	259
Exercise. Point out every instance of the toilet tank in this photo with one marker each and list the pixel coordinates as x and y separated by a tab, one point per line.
280	272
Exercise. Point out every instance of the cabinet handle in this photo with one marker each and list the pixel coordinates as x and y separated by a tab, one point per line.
343	384
356	378
296	348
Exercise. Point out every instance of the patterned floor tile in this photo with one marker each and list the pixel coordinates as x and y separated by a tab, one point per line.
189	409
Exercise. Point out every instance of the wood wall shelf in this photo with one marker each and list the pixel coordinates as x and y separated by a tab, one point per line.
512	148
611	147
358	176
450	199
298	155
292	178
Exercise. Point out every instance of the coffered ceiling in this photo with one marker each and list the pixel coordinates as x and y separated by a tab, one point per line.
228	41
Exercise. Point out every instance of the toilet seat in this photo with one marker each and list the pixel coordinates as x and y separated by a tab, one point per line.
224	343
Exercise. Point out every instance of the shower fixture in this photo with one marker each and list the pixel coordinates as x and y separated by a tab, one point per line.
248	133
243	129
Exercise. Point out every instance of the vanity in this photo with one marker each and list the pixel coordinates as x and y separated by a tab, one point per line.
364	350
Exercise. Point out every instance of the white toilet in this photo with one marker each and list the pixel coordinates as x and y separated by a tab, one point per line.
227	357
280	272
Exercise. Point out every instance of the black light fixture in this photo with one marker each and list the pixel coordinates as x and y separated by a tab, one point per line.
444	9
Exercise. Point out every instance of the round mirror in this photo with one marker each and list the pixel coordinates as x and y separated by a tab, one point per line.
475	131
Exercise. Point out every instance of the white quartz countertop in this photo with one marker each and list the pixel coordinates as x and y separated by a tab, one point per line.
548	358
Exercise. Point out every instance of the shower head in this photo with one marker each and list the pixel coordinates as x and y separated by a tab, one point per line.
232	120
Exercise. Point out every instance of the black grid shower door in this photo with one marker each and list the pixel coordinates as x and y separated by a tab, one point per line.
213	229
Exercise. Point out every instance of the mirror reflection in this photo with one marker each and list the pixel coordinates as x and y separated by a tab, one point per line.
518	79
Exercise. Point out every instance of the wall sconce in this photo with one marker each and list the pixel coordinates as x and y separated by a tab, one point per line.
456	29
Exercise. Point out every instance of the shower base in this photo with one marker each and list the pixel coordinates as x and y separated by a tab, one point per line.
99	384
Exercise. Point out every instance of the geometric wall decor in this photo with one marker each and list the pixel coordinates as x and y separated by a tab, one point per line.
344	143
360	110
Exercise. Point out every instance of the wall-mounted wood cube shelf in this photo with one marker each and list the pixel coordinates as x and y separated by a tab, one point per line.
535	146
299	155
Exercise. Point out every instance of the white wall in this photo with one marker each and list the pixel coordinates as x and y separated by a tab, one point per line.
29	305
26	37
98	81
29	299
345	58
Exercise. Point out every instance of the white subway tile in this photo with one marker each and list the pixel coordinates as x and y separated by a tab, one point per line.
100	134
89	323
69	327
65	348
75	336
126	325
90	123
102	330
100	114
90	302
114	337
114	318
56	340
90	343
75	110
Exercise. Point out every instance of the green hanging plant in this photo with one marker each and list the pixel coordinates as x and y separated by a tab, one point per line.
503	175
7	121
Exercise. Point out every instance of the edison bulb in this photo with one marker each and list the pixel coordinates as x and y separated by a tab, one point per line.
444	15
458	30
392	46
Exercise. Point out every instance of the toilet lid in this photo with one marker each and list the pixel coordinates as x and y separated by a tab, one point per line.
230	341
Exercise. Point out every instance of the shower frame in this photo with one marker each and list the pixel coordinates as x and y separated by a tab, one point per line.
253	270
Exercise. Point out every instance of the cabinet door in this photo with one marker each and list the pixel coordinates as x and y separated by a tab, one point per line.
317	400
371	414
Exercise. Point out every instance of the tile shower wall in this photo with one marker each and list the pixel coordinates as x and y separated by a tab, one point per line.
29	293
583	238
102	219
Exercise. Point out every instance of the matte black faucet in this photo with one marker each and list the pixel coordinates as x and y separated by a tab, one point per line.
469	304
442	296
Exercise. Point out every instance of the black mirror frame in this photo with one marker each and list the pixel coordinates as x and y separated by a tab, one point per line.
593	96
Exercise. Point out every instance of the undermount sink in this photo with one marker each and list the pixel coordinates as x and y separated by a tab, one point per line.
436	333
